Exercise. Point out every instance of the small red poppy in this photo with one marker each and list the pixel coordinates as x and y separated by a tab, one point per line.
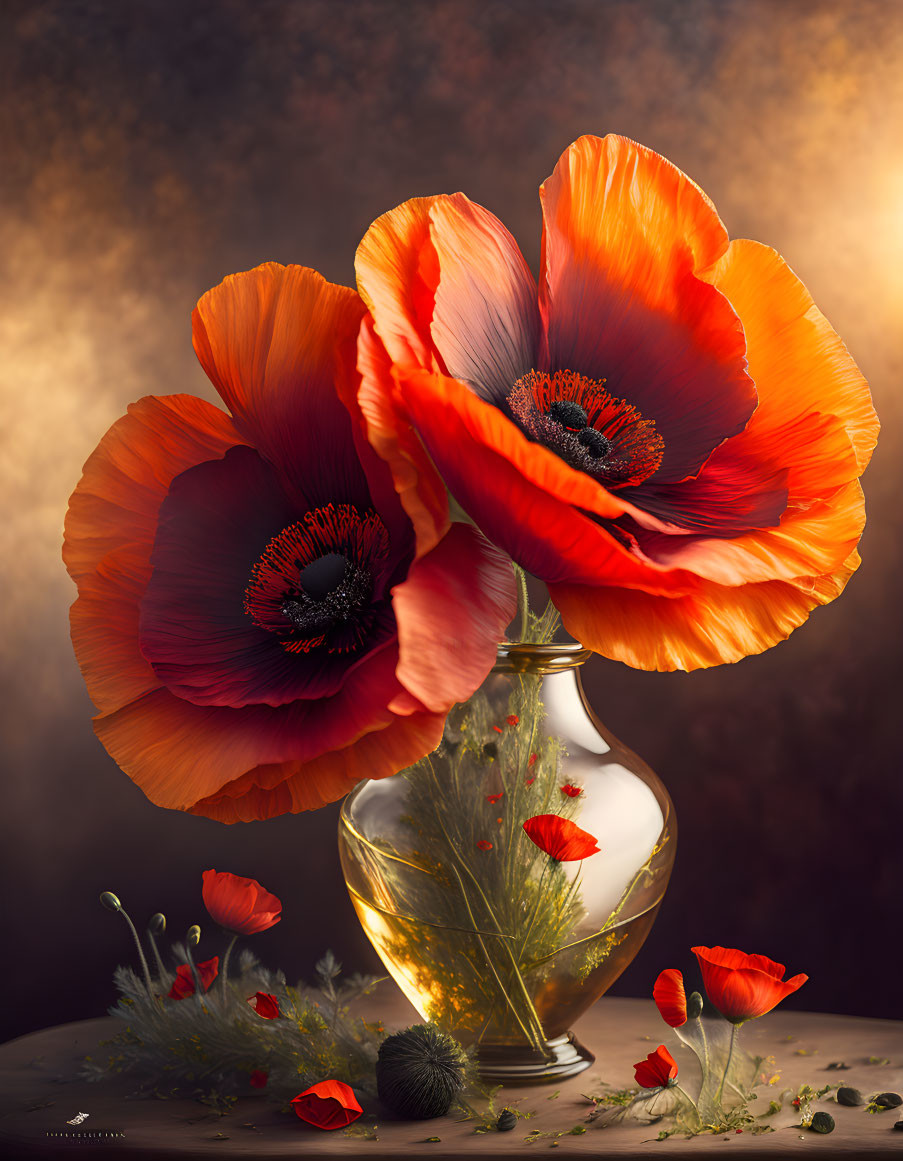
512	719
240	905
670	997
657	1070
484	845
560	838
743	986
492	799
529	781
265	1005
571	791
532	761
498	729
183	985
499	821
258	1078
329	1105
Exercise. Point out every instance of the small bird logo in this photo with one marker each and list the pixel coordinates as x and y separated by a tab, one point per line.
78	1118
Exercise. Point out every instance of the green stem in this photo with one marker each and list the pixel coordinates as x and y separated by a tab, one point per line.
536	903
689	1101
161	970
195	974
730	1057
488	958
538	1037
523	602
224	971
144	967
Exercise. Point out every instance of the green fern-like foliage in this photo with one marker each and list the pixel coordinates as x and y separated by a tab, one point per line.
210	1044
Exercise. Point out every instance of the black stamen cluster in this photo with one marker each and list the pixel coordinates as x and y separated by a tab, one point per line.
333	592
574	419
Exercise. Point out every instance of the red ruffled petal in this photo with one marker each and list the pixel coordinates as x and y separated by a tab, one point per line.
464	581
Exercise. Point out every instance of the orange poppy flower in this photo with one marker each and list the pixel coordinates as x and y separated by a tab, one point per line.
561	839
743	986
239	905
657	1070
670	997
255	621
331	1104
666	431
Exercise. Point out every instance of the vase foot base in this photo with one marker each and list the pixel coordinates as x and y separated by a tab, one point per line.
511	1065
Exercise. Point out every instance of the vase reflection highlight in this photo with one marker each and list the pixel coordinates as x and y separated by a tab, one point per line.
487	936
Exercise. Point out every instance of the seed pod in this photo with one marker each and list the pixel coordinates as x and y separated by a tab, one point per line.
849	1096
822	1123
507	1120
110	901
888	1100
156	925
694	1005
419	1072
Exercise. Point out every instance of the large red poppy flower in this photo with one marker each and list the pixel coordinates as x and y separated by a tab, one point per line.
561	839
239	905
657	1070
666	431
255	621
743	986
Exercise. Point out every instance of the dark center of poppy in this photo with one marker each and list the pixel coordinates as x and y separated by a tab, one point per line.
314	583
579	420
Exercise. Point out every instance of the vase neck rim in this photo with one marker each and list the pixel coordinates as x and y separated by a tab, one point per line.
523	657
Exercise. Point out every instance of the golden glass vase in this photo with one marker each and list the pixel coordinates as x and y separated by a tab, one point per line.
488	936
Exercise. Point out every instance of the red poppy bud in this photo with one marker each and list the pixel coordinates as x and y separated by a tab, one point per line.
329	1105
743	986
258	1078
657	1069
183	985
571	791
265	1005
484	845
240	905
560	838
670	997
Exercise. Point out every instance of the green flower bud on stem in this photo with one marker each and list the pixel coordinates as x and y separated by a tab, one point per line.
694	1006
193	937
156	926
112	903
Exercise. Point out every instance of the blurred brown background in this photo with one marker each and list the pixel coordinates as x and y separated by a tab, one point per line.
151	147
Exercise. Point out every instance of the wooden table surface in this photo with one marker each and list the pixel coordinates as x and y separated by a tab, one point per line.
38	1097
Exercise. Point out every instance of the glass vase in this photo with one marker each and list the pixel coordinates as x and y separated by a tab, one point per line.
487	934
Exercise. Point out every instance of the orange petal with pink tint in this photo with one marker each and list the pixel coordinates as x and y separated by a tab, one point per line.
625	238
713	625
274	341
